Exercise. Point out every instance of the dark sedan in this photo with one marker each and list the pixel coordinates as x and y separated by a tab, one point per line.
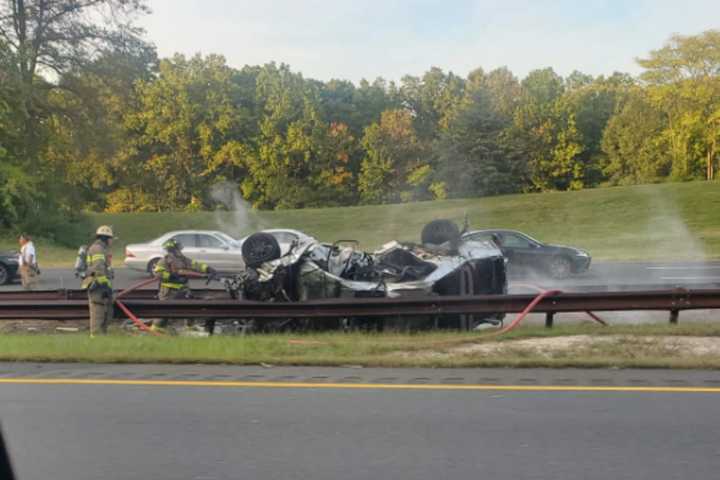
8	267
525	252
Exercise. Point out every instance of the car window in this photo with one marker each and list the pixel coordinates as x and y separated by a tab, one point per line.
227	238
209	241
187	239
285	237
482	237
512	240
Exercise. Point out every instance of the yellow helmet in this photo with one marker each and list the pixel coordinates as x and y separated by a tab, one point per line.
105	231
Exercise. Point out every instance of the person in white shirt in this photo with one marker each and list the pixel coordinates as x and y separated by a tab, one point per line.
27	260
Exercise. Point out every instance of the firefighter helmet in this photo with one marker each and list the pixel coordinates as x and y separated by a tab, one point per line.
104	231
172	244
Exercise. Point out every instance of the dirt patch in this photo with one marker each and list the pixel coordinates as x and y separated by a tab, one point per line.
42	326
628	346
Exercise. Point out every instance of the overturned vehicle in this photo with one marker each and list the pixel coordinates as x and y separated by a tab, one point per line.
442	264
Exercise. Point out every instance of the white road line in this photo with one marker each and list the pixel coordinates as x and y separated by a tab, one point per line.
699	267
709	279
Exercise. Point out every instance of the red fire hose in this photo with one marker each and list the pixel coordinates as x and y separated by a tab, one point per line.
138	323
521	316
592	315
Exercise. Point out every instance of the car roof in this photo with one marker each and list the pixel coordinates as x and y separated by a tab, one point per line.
505	230
166	235
495	230
281	230
191	232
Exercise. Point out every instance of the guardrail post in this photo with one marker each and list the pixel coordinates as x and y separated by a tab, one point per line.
549	319
674	315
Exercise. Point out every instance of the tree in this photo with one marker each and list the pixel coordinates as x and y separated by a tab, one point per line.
431	99
40	41
186	121
590	104
393	153
636	150
477	154
683	79
59	35
88	125
549	134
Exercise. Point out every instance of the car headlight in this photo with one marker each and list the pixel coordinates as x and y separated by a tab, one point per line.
580	253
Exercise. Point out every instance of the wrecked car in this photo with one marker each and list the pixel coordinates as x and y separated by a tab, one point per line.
442	264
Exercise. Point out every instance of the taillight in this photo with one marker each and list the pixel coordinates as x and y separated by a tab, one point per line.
129	254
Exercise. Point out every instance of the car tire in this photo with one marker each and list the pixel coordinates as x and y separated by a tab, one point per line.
438	232
4	275
560	268
259	248
151	266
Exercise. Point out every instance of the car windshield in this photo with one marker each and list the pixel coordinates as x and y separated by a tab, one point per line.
228	239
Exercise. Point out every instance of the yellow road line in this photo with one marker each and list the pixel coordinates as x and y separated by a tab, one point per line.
359	386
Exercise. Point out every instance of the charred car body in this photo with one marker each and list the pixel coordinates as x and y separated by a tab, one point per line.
443	264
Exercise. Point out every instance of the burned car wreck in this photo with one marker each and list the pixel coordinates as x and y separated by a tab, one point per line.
442	264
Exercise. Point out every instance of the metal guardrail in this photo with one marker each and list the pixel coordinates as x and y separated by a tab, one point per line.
41	305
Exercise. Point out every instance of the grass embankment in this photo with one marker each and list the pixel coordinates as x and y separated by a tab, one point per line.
666	221
656	346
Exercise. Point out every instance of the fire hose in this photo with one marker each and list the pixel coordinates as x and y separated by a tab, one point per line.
133	318
136	321
521	316
592	315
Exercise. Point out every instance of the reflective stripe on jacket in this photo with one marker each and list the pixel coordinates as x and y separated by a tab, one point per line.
98	265
167	270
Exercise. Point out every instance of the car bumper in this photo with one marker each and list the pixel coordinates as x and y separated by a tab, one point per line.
581	264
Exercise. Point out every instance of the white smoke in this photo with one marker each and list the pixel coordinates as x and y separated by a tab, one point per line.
235	215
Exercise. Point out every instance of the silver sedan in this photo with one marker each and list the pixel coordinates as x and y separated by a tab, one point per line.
217	249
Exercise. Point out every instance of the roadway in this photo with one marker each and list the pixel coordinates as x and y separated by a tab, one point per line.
221	422
611	275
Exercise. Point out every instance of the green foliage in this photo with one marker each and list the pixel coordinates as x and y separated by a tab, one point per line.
634	144
476	154
115	129
389	171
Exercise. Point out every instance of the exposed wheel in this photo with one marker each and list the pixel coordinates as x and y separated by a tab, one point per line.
259	248
151	266
440	231
559	268
4	275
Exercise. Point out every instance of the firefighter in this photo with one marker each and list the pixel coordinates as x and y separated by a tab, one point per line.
174	272
98	281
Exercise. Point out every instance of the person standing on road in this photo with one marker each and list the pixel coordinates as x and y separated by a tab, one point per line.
27	261
98	281
174	272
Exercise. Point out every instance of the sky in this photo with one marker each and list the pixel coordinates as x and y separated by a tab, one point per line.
356	39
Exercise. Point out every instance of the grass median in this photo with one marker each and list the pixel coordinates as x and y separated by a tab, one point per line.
672	221
695	345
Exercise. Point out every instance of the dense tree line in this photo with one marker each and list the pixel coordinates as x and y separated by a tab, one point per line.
90	118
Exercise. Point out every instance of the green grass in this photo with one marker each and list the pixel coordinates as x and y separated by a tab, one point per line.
663	222
382	350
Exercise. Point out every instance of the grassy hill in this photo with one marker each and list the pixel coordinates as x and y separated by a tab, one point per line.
663	222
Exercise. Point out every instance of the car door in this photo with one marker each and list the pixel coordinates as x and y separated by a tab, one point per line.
520	250
211	250
189	243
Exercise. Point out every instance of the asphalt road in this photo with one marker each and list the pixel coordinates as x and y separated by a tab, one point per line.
356	430
59	278
610	275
